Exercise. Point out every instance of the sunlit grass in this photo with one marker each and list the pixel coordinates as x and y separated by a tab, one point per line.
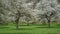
32	29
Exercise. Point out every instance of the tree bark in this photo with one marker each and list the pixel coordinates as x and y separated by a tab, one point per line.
49	23
17	21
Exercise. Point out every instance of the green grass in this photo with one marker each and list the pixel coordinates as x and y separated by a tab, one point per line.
32	29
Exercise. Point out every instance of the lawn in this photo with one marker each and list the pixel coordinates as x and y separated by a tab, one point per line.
32	29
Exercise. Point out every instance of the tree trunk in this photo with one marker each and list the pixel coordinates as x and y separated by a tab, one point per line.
49	23
17	21
16	26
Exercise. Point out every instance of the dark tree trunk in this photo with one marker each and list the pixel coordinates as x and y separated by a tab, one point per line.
16	26
49	23
17	21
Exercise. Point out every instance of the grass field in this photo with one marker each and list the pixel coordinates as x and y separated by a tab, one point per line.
32	29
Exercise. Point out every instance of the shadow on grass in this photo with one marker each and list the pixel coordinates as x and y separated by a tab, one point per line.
47	27
16	33
58	25
4	27
23	29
